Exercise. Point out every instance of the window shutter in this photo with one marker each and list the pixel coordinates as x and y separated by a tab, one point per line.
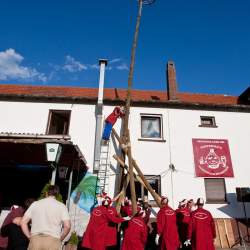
215	190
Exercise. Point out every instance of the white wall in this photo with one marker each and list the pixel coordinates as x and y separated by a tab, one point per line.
179	128
27	117
183	126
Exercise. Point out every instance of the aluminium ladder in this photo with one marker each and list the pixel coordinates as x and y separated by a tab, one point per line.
104	165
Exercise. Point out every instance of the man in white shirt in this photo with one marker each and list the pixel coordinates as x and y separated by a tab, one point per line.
50	222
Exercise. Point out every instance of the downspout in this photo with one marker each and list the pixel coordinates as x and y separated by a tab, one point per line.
98	112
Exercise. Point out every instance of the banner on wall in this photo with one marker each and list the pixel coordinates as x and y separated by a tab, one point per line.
82	201
212	158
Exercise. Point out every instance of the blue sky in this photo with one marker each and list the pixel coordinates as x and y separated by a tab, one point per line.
59	43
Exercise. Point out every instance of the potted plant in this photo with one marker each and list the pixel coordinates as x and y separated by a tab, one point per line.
73	242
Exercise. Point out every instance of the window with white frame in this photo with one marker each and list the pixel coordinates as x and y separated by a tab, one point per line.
151	126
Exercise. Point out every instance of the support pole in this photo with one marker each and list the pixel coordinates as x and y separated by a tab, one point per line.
53	176
69	188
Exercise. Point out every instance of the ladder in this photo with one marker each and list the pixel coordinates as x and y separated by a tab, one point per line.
104	165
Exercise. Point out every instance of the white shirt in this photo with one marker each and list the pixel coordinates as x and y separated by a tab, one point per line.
47	216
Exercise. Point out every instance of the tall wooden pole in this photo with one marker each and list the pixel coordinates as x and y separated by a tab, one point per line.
126	136
131	69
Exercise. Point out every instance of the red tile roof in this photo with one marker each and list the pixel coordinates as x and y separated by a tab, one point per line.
111	94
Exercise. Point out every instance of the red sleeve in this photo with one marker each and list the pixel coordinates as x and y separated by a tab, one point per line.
5	230
160	222
122	114
147	217
145	234
114	218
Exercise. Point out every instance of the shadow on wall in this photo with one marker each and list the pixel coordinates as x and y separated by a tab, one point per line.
233	208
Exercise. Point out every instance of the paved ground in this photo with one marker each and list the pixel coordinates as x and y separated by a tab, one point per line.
236	248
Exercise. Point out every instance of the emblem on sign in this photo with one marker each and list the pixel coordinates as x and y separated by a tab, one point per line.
212	158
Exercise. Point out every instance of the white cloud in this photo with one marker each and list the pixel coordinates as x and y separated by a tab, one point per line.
115	60
11	68
72	65
94	66
123	66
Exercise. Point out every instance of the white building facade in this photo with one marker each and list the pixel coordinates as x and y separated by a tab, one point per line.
154	155
162	125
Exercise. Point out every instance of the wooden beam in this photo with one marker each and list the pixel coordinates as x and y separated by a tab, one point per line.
122	164
156	197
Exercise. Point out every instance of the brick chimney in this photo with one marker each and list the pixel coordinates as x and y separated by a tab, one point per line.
171	82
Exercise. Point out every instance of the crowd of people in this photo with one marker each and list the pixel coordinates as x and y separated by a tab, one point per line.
40	225
44	224
188	227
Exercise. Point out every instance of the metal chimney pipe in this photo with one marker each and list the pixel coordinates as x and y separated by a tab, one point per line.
103	63
99	107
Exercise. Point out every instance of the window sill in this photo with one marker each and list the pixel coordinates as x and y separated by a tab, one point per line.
151	140
208	126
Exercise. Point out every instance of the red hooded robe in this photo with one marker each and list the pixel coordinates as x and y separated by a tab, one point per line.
135	236
127	210
112	228
201	230
167	228
96	234
183	218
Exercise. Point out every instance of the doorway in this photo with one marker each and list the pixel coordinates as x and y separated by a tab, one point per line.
20	182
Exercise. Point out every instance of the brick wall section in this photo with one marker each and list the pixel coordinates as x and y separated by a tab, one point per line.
171	82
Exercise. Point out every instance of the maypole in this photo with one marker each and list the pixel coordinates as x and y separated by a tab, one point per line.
126	134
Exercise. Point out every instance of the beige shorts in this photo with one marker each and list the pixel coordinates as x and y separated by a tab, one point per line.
44	242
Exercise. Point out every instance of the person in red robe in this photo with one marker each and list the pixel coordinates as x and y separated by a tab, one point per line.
118	112
201	230
112	228
183	219
126	208
191	205
97	232
167	234
148	210
135	235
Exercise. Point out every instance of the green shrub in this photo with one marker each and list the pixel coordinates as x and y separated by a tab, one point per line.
45	191
73	239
